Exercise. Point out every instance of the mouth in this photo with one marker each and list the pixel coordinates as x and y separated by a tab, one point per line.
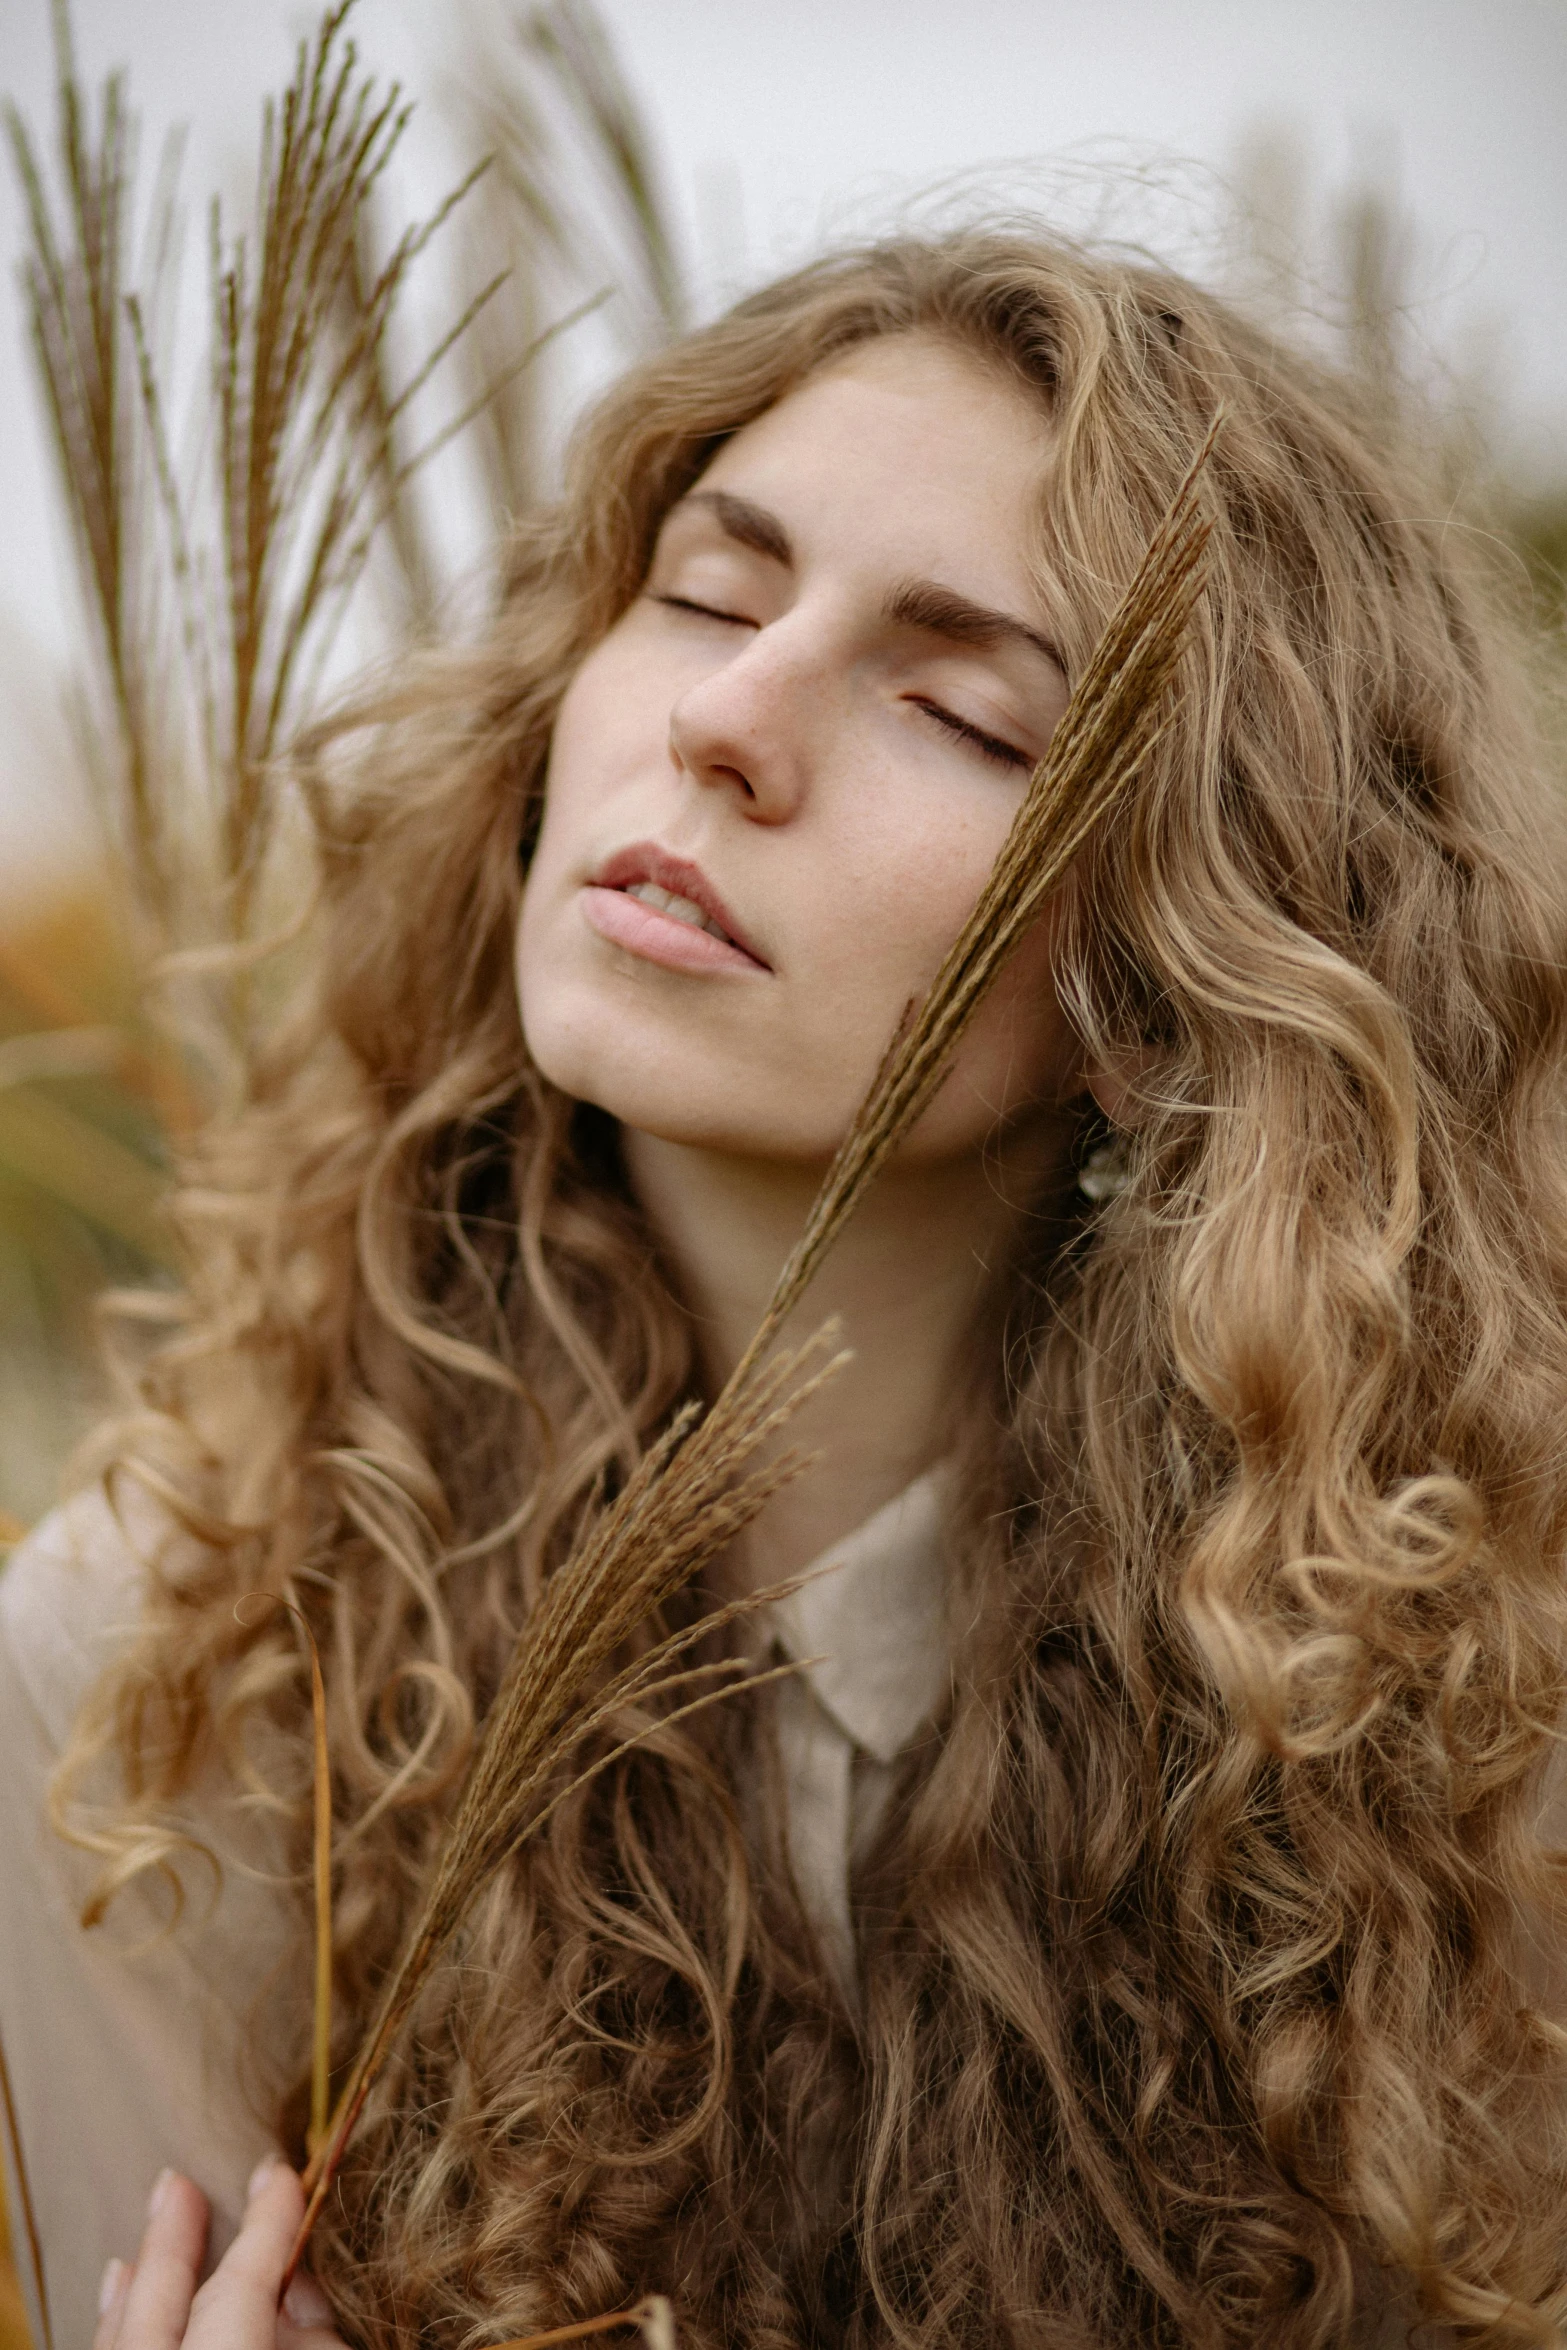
665	909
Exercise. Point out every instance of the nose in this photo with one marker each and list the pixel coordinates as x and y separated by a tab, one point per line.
745	727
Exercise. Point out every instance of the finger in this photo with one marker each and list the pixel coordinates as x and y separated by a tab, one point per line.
111	2303
305	2319
157	2301
292	2337
305	2306
237	2308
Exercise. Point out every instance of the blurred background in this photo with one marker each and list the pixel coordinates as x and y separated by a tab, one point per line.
1385	177
200	542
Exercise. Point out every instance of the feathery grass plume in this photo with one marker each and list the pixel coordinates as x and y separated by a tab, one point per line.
571	204
222	534
74	282
300	485
569	42
1109	727
684	1503
562	215
563	218
221	540
217	598
687	1499
395	511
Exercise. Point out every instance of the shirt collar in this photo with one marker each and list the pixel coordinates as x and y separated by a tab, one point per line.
873	1610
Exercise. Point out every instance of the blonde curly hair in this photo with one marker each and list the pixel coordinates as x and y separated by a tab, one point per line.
1197	1995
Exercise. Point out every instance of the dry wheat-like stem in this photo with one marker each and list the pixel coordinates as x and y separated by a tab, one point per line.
296	406
218	592
654	2316
321	1866
74	283
26	2215
689	1497
571	204
1109	727
683	1504
568	40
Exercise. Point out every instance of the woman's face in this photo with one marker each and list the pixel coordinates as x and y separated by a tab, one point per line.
777	786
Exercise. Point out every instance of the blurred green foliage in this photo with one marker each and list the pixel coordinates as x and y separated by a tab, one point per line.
1537	527
90	1097
214	594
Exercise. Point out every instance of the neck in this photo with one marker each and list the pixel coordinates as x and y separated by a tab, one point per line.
907	1278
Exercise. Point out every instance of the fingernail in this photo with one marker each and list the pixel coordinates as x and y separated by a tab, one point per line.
305	2302
160	2188
260	2175
109	2286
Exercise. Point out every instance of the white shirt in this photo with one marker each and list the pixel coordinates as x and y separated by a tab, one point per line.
871	1616
126	2047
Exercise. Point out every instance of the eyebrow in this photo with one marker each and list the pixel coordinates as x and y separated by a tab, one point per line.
924	603
915	603
750	525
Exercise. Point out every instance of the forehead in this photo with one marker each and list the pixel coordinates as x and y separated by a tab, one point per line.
908	444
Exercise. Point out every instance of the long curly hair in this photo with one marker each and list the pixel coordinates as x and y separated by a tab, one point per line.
1197	1994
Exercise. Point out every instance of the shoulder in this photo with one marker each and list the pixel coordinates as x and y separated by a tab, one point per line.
154	2039
72	1595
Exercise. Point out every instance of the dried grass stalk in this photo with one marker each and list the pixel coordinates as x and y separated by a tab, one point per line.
217	597
321	2054
568	40
685	1502
73	282
654	2316
692	1493
27	2213
1110	725
321	1863
570	216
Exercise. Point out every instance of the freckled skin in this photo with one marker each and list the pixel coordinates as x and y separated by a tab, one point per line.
769	724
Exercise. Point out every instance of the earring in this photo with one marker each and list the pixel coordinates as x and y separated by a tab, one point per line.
1105	1174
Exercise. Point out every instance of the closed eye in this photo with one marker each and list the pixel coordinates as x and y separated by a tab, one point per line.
990	746
707	611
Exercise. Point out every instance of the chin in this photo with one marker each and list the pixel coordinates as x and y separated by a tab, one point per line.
638	1081
661	1067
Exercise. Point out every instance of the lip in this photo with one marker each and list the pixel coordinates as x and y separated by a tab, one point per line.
626	922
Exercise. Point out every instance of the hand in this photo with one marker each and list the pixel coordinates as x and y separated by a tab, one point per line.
155	2304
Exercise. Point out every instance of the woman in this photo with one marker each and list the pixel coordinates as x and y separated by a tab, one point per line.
1126	1924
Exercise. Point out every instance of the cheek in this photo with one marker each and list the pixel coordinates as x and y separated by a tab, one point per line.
543	952
921	882
602	730
599	740
1036	1052
1020	1054
895	872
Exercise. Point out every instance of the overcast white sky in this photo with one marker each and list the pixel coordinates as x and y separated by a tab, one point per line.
780	123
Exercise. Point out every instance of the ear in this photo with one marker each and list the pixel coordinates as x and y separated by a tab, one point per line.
1115	1087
